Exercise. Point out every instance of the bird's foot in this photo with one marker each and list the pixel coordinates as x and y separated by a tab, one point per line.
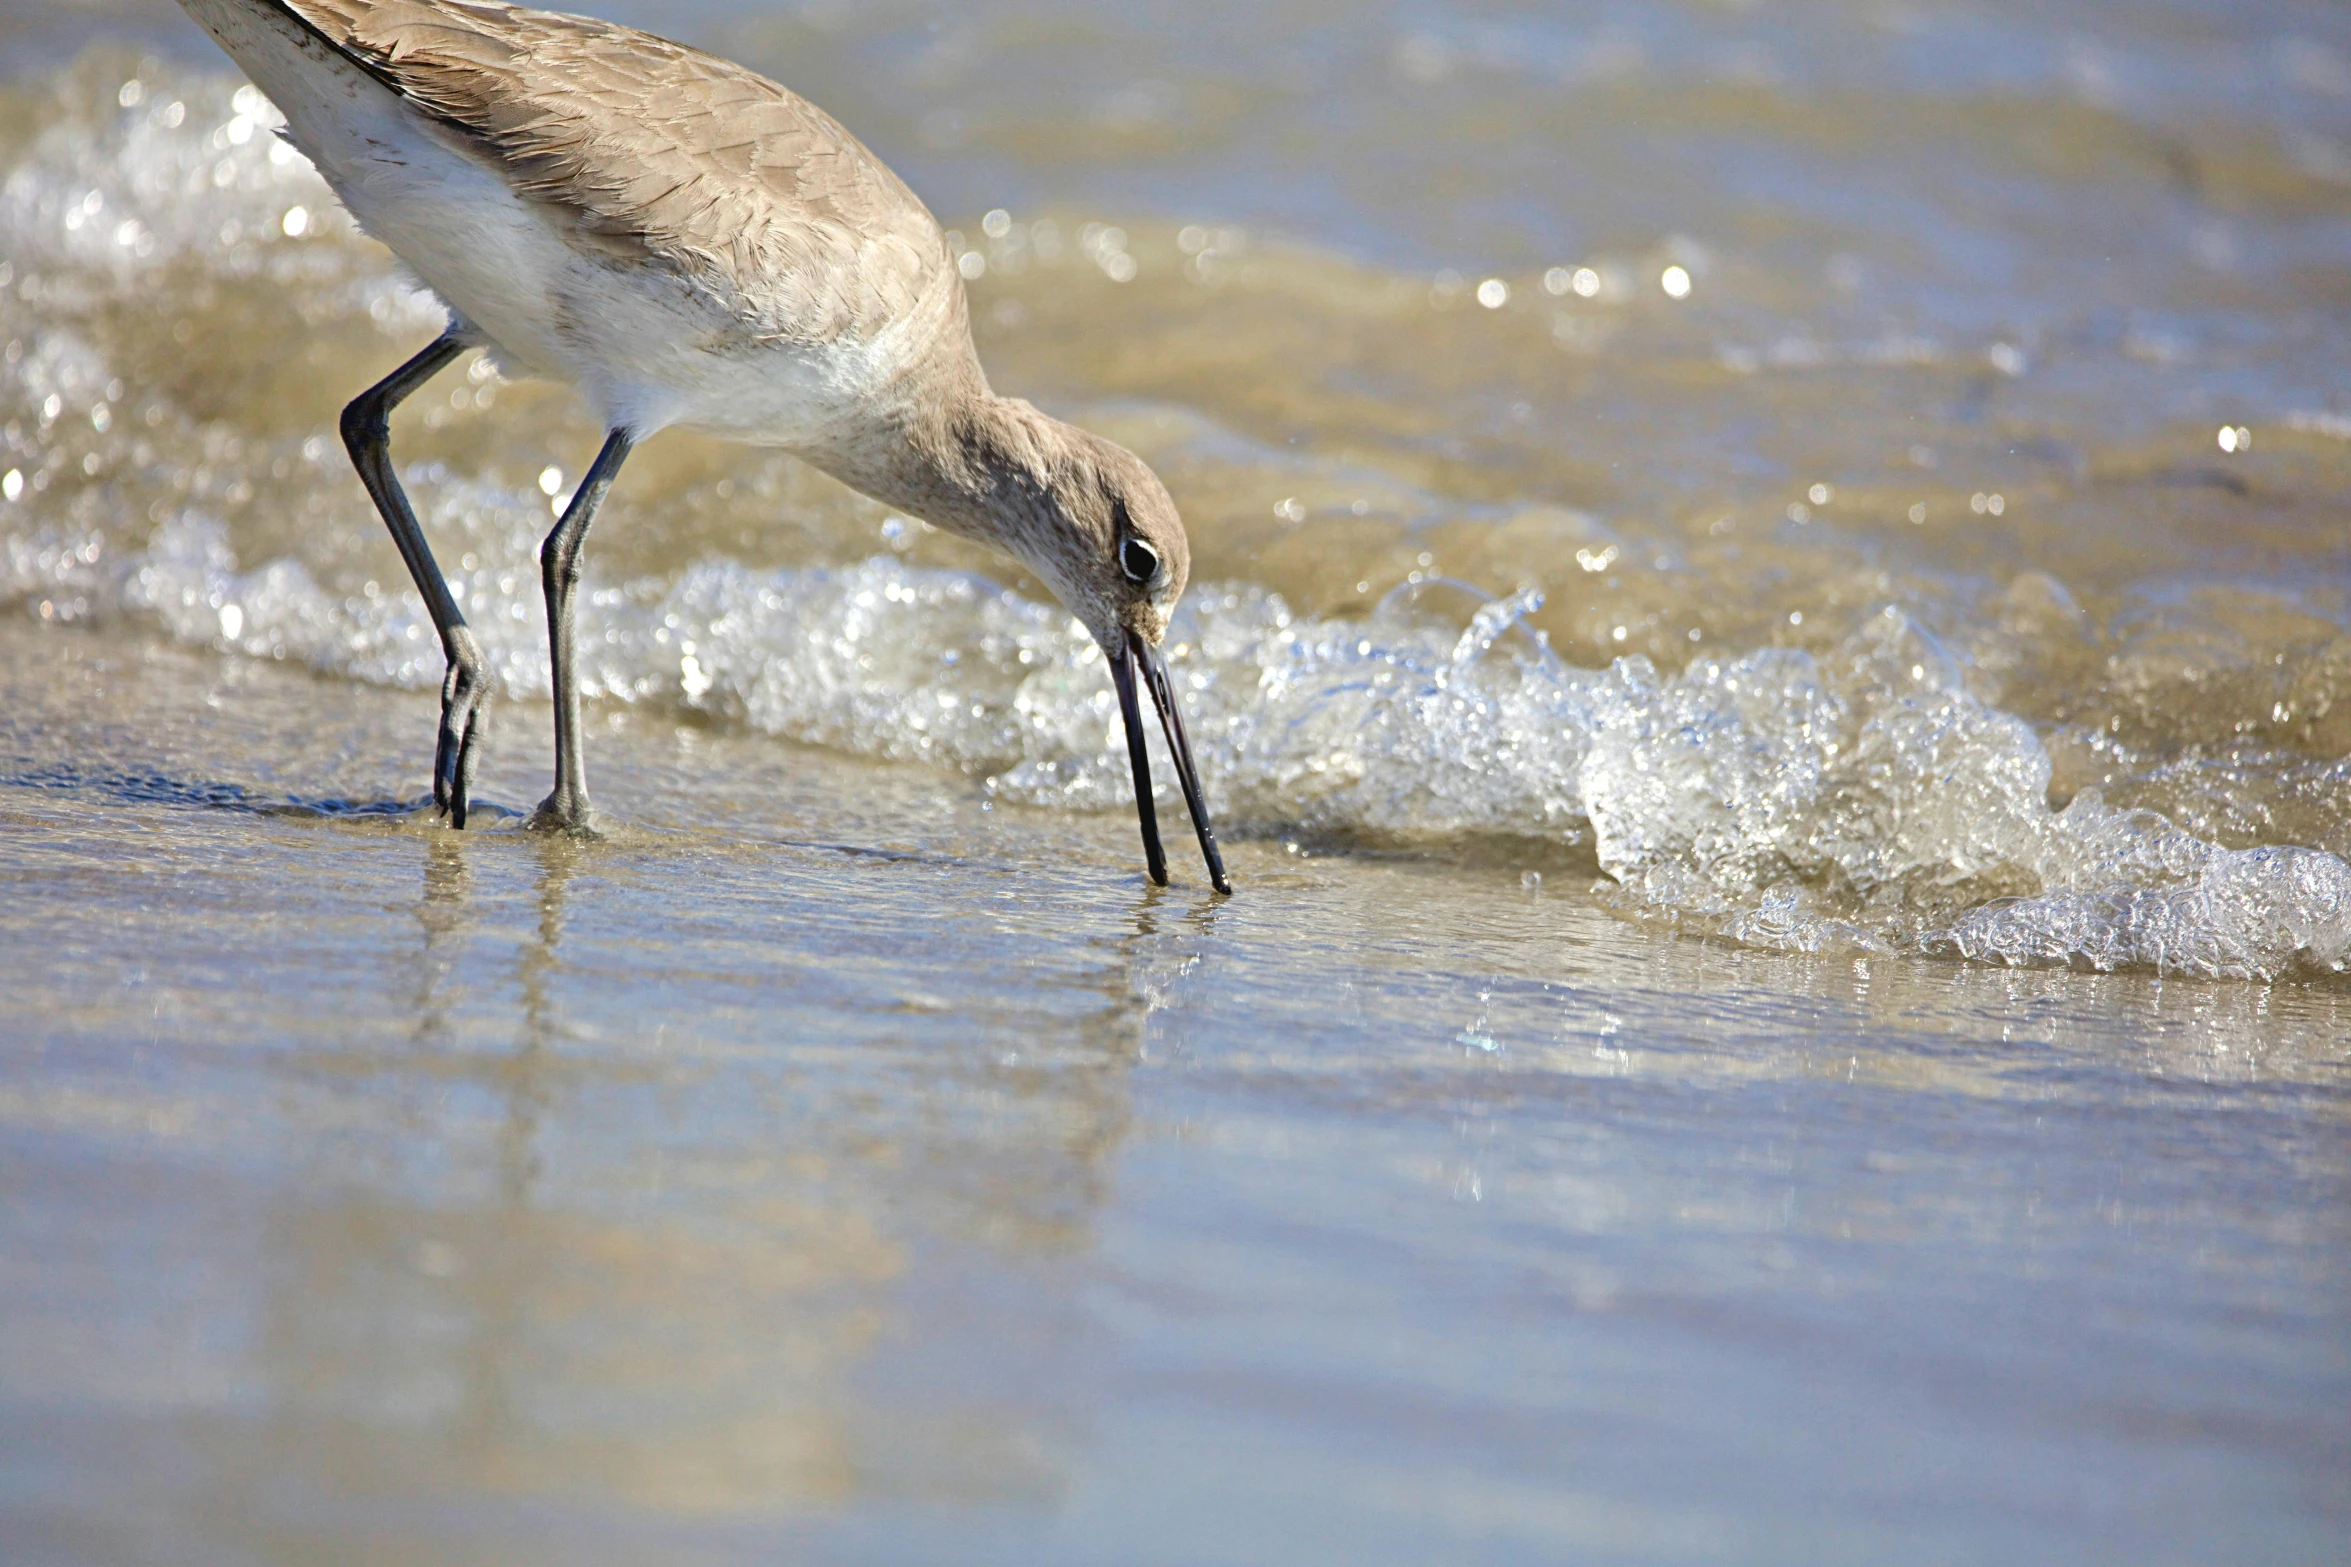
462	693
566	811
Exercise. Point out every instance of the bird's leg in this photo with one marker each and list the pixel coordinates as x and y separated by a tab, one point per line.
367	434
559	570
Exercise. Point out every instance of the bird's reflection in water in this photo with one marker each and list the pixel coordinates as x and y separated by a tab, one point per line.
510	1256
444	914
1163	954
694	1242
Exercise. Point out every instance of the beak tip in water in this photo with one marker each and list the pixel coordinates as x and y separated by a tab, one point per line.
1179	745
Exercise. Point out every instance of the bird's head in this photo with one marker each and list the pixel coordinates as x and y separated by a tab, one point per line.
1123	556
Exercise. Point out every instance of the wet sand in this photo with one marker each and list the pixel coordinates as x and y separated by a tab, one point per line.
1772	637
836	1166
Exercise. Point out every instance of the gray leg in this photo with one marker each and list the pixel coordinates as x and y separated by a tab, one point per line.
559	569
367	433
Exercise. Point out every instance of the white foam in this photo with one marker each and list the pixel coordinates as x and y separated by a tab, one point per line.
1859	800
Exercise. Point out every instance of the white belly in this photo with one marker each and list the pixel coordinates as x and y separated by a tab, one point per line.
647	348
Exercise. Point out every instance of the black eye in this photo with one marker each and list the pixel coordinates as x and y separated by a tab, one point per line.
1138	560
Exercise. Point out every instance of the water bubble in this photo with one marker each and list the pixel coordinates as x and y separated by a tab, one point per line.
296	222
1821	494
1587	282
996	224
1675	280
2235	438
1493	293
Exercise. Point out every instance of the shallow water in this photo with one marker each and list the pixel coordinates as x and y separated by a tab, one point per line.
1785	1000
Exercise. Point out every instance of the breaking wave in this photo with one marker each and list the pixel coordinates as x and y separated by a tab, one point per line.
1861	798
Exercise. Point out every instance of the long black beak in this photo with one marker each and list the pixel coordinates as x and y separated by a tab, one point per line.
1171	719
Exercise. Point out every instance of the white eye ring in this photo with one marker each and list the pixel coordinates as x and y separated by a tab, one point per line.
1138	560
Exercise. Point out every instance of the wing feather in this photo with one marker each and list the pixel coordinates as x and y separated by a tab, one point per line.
652	149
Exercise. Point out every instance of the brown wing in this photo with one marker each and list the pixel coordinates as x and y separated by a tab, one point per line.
649	147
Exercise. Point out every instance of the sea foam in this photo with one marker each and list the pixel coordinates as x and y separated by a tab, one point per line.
1859	798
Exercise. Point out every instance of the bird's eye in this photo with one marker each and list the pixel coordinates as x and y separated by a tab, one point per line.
1138	560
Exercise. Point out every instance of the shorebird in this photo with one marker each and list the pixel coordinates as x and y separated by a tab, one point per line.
690	244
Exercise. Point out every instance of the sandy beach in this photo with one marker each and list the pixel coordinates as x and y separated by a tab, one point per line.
1769	639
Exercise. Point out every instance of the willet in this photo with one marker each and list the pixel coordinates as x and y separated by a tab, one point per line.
690	244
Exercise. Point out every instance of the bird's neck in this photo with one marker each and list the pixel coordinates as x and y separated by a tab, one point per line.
977	465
